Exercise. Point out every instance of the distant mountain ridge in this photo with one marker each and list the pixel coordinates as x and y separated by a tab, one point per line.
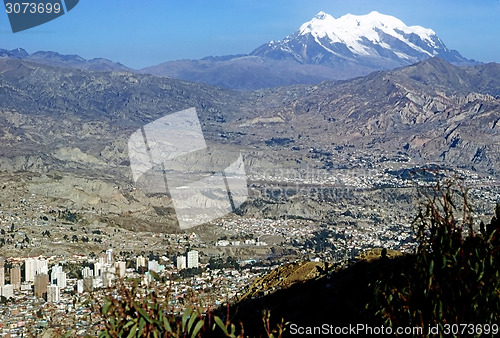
69	61
322	49
247	72
431	111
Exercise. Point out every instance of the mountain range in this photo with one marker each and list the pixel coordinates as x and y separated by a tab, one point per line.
70	61
65	114
429	110
323	48
78	122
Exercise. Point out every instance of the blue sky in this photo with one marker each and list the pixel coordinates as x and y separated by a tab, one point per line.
140	33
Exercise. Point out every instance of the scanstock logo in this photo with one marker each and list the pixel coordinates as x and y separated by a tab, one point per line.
25	14
170	156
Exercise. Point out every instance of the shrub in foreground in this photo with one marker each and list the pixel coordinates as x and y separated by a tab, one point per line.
454	278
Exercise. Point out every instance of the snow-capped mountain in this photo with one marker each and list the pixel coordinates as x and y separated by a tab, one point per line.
373	41
322	49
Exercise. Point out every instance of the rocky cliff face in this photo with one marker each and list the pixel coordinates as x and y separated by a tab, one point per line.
431	111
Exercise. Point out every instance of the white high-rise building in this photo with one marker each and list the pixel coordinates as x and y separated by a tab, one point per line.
53	294
79	286
53	275
33	267
2	272
140	261
153	266
192	259
87	272
61	279
29	269
181	262
7	291
109	256
97	269
42	267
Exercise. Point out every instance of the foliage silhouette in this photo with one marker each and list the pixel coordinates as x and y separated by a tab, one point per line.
454	277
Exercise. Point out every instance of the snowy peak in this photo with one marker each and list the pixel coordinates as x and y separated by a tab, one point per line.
352	30
373	40
322	16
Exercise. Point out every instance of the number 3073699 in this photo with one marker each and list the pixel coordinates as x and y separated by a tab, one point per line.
32	7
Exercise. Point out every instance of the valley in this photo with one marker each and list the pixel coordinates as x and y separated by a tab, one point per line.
310	152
